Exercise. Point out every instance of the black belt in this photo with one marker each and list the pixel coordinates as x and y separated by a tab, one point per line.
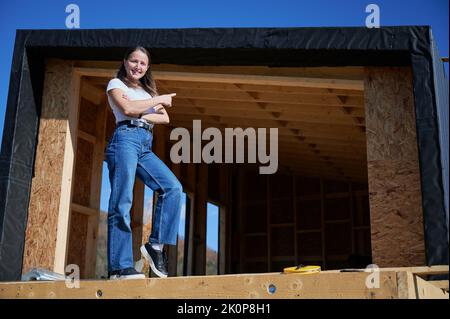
136	123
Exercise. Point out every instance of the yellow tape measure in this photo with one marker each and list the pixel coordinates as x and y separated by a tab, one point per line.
301	269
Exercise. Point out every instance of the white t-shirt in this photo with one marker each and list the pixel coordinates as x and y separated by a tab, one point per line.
133	94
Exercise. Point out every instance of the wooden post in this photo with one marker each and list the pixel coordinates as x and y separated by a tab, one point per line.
322	223
137	217
240	213
294	208
269	222
191	181
51	190
223	215
96	183
199	256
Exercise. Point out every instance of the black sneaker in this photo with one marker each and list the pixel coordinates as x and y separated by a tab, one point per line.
128	273
156	258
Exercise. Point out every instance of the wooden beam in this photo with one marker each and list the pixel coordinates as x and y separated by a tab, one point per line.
67	186
137	217
96	183
253	105
426	290
91	92
422	270
88	211
87	137
261	80
326	285
173	85
303	130
291	99
347	72
224	177
200	214
308	82
269	115
441	284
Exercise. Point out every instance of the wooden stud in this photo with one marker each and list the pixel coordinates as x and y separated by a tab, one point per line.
223	215
322	223
96	182
70	150
269	222
240	188
199	245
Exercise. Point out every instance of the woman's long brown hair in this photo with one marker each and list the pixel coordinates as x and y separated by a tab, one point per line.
147	81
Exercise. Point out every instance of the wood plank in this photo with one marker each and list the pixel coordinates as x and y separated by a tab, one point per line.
137	218
336	168
91	92
290	81
421	270
302	130
296	221
300	133
406	285
67	186
297	153
252	105
173	85
224	187
425	290
347	72
322	223
201	197
96	182
190	235
240	189
291	99
285	286
441	284
87	137
269	221
308	82
338	118
232	120
88	211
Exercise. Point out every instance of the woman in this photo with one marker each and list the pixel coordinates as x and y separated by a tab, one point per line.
137	106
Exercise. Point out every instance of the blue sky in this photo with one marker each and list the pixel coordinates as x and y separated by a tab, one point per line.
50	14
47	14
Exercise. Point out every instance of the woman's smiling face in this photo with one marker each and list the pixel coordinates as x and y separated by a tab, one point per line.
136	65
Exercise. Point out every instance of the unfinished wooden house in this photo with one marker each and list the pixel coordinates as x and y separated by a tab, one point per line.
362	118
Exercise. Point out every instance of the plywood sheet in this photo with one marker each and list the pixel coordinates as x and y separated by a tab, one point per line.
83	171
393	168
40	237
77	241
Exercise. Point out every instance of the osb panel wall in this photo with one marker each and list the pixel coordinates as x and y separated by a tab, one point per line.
77	246
393	168
83	172
40	237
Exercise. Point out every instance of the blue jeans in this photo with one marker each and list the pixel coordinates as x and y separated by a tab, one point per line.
129	154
